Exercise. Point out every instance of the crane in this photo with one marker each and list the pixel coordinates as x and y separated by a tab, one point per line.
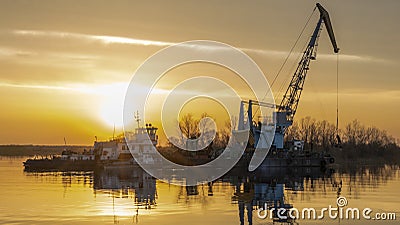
291	98
288	106
286	110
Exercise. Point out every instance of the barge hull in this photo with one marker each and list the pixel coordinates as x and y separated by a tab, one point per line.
59	165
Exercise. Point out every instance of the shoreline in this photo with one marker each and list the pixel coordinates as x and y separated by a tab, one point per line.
44	150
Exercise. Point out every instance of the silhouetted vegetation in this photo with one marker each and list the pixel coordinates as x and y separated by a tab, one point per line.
358	141
202	130
38	150
355	142
199	130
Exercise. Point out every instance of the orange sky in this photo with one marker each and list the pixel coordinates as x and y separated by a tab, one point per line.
64	67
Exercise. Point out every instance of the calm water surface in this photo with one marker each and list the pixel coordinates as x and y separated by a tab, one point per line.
133	197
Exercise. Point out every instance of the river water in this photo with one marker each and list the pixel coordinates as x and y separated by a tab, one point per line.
133	197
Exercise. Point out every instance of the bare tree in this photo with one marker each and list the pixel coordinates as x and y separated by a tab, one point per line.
189	126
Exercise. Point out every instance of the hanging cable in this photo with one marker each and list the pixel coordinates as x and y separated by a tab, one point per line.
339	141
292	69
287	57
291	50
337	93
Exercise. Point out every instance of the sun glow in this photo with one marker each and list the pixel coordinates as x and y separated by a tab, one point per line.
111	104
109	98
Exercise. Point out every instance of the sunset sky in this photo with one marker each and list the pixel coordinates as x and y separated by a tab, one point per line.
65	65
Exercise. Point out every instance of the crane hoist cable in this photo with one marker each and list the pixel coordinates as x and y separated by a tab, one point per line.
337	93
291	50
292	69
339	141
287	57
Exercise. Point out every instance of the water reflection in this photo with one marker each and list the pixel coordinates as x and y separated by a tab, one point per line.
127	183
248	192
265	189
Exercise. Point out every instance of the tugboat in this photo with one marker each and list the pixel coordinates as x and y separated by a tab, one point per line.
116	153
105	154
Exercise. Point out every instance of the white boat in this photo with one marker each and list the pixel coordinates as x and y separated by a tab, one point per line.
118	153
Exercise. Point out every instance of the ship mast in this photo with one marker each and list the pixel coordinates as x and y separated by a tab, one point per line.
137	118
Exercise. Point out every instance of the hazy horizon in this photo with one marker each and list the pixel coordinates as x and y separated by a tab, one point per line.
65	67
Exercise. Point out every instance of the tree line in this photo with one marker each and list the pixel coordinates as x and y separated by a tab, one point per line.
192	128
354	140
323	134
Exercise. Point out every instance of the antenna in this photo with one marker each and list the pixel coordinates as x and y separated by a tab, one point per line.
137	118
114	132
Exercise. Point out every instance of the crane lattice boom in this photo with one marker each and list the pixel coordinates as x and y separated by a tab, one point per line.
292	95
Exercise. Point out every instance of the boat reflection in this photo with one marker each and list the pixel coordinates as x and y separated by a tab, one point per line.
254	190
248	191
265	189
134	183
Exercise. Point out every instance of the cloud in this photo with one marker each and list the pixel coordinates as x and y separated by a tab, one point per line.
332	57
354	58
107	39
109	89
11	52
47	87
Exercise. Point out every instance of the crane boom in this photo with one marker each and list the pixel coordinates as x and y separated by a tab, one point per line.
327	21
288	107
292	95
